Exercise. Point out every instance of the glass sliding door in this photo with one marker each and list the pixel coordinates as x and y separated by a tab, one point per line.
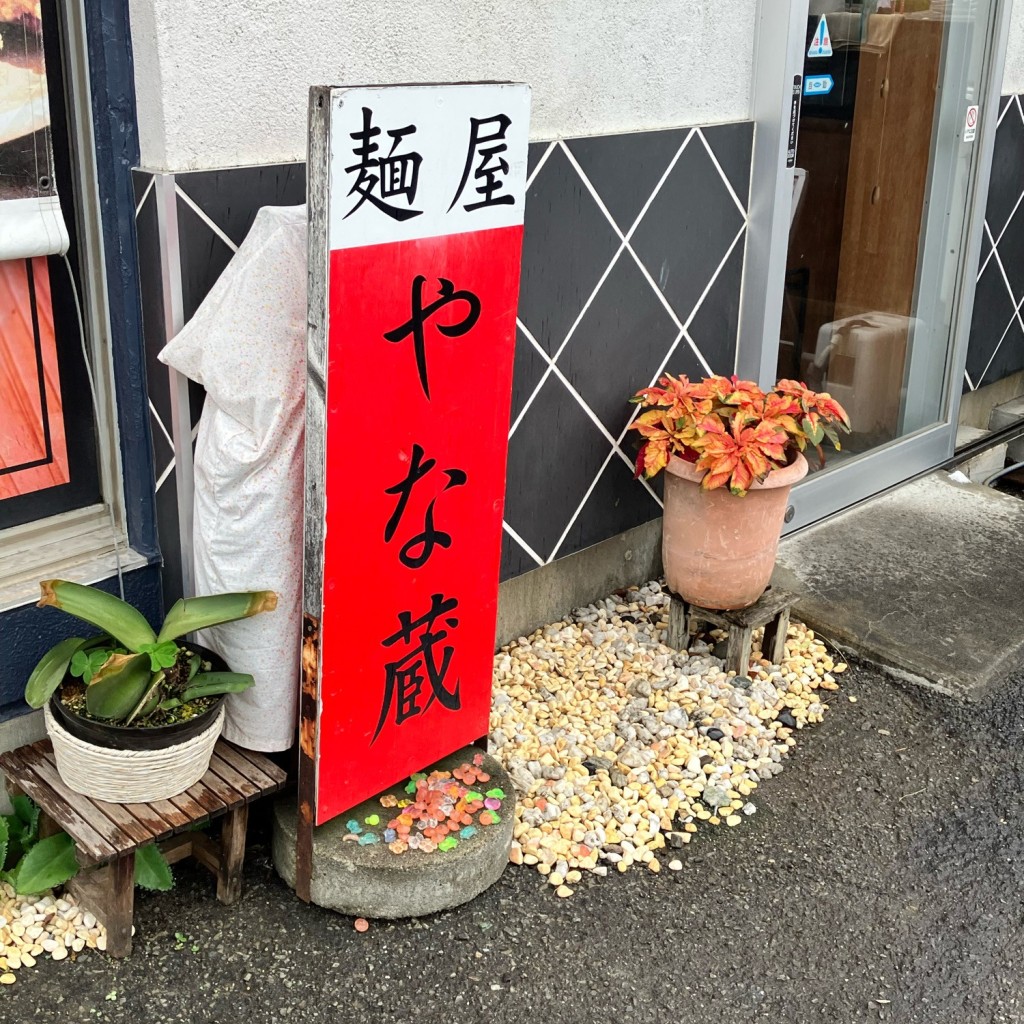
867	278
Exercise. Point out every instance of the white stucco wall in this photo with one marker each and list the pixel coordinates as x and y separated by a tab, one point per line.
1013	72
226	83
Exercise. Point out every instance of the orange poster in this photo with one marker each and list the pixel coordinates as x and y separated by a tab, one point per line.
33	452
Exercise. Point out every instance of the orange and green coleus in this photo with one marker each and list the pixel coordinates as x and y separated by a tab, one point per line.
733	431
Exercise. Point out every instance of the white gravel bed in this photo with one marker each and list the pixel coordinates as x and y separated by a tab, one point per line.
620	746
43	927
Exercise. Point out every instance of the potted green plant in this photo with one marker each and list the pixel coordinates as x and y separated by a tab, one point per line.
133	713
731	452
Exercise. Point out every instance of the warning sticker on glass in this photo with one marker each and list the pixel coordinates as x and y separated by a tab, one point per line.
971	124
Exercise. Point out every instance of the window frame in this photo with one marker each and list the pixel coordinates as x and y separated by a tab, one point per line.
91	543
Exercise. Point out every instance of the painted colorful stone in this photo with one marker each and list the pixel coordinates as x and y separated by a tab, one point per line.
354	827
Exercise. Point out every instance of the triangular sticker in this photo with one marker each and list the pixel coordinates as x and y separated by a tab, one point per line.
821	41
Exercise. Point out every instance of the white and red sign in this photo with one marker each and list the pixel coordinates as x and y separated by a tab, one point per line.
971	124
416	220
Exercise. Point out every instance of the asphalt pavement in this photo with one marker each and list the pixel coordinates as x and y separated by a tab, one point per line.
880	879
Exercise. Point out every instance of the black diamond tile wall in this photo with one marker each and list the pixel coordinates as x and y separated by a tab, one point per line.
620	345
716	322
567	245
527	371
599	318
687	230
553	457
624	169
996	346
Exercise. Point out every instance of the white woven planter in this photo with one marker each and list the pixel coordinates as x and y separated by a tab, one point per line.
131	776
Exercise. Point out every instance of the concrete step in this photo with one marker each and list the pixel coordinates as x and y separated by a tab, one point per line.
924	580
1006	415
982	466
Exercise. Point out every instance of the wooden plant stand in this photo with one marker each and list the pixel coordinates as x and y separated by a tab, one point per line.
771	611
107	835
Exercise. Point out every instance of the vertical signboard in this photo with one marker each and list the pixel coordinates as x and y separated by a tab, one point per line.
416	200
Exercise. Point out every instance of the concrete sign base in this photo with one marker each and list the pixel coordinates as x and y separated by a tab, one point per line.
373	882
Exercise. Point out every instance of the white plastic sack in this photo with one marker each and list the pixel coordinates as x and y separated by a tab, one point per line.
247	346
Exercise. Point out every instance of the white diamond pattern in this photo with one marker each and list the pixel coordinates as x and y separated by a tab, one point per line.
624	250
995	234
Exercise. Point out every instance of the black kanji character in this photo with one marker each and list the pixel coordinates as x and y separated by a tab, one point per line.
391	176
404	678
430	537
421	314
491	163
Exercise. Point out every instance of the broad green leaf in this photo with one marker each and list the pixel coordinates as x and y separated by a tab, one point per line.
210	684
118	687
109	613
27	813
152	870
52	667
189	614
4	837
49	863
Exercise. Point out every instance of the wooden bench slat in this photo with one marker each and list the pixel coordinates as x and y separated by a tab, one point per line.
137	830
196	812
151	817
87	808
277	775
60	805
214	784
245	767
248	790
207	798
174	818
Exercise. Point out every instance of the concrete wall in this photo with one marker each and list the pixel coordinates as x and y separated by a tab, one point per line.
227	83
1013	72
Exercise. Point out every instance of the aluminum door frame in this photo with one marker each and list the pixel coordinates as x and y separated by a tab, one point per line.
780	38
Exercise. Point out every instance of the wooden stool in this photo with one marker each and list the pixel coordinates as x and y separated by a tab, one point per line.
771	610
107	835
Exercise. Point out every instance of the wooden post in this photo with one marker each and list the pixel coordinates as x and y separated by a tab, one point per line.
307	757
773	646
741	640
678	635
232	855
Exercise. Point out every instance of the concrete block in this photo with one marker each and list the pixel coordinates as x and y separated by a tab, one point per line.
16	733
982	466
1006	415
371	881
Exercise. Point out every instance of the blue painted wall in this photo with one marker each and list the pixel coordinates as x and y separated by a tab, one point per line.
27	633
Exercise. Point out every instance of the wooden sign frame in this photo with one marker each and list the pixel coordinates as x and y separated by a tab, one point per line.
416	197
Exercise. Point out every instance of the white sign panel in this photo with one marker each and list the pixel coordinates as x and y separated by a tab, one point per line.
407	163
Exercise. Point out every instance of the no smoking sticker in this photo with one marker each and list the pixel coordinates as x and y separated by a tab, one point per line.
971	124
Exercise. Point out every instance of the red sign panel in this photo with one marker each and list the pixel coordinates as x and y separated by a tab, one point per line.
407	426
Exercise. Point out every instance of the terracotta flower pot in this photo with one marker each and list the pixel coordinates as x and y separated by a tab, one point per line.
719	550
